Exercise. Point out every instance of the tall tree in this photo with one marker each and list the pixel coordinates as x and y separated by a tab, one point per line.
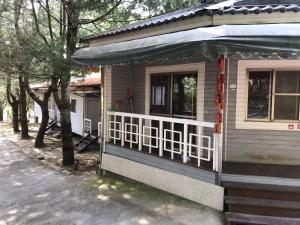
13	99
65	41
3	100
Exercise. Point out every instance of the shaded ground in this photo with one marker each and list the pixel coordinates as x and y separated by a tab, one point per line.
52	151
33	194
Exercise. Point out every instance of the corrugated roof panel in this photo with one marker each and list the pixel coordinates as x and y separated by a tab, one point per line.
227	7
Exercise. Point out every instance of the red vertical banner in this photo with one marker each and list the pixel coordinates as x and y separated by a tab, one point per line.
220	94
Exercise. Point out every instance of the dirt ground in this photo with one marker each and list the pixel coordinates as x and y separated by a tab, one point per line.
87	160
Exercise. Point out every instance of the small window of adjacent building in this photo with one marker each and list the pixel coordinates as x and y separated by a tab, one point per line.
274	95
73	105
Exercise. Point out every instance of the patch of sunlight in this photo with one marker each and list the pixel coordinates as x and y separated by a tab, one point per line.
103	197
104	187
166	207
119	183
12	212
17	184
34	215
11	219
127	196
113	187
57	214
143	221
100	181
43	195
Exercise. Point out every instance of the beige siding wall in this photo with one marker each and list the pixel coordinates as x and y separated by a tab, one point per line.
134	76
257	145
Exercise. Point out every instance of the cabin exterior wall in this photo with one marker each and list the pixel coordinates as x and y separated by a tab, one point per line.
240	145
256	145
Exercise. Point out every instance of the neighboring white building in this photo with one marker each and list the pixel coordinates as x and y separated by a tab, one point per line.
84	100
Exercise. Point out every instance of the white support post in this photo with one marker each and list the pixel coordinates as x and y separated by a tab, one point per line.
131	123
185	140
150	139
172	140
115	127
161	138
140	133
122	131
215	152
200	150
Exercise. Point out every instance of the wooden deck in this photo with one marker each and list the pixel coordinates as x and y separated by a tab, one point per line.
266	170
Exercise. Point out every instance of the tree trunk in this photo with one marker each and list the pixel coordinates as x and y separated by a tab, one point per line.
23	110
1	114
15	117
39	140
66	136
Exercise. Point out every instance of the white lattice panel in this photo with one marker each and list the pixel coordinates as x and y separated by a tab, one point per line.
148	136
131	133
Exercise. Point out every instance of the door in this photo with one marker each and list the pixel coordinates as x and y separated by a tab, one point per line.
93	111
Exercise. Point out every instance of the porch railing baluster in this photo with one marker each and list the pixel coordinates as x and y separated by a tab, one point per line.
140	133
122	131
185	142
161	138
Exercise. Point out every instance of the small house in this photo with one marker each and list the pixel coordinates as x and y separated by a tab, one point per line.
84	103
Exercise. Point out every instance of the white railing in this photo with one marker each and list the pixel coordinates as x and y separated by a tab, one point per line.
51	114
58	116
179	139
87	129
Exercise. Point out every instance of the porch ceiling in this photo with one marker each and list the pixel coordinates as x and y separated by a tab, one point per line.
227	39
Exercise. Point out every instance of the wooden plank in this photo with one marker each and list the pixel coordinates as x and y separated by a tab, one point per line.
261	220
255	181
259	186
262	202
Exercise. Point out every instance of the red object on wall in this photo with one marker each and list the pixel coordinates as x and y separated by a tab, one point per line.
291	126
220	94
129	92
221	63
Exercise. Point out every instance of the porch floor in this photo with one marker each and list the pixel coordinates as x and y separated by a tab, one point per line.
267	170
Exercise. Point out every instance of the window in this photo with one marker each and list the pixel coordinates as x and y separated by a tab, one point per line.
274	95
73	105
160	98
184	95
259	86
174	94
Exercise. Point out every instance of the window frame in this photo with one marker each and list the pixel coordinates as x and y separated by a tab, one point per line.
273	94
270	100
170	93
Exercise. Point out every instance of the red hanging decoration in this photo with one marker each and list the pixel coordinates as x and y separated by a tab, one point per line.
220	94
